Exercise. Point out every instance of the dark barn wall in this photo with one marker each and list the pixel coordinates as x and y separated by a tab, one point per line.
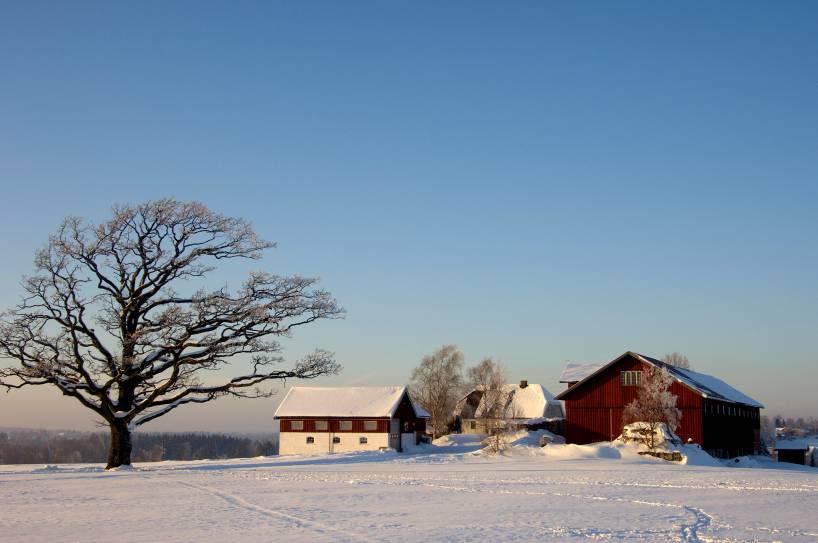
731	430
594	409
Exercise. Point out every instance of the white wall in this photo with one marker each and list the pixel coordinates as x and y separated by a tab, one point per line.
296	442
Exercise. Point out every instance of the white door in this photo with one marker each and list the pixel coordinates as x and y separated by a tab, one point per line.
394	434
407	441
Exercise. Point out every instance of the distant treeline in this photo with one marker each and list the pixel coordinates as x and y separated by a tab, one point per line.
53	447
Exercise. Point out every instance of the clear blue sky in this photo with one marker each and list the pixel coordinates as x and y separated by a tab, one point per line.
536	181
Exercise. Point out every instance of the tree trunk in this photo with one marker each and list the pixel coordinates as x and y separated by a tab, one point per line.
119	453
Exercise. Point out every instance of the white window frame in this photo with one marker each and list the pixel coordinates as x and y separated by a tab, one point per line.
630	378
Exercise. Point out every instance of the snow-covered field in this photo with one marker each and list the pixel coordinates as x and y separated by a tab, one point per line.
561	493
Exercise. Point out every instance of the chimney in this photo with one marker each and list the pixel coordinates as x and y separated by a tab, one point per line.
523	384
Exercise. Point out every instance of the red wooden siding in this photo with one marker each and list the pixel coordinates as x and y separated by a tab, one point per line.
335	425
593	411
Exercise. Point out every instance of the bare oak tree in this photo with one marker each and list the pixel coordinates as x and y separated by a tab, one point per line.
102	319
677	359
436	385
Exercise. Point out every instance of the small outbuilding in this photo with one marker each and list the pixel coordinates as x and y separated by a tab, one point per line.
803	452
343	419
723	420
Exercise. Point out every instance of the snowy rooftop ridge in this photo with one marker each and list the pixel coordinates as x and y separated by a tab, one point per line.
530	402
575	372
343	402
707	385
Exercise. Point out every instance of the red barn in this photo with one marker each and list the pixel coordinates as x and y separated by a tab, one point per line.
724	421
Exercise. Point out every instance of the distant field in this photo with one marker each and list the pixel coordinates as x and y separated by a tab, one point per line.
449	494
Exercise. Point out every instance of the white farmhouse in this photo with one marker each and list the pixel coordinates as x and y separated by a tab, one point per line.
343	419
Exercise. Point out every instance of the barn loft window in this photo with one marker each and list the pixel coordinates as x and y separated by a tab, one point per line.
296	425
321	426
630	378
363	440
345	425
336	439
310	440
370	426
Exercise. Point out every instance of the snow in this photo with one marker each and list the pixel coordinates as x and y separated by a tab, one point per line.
446	492
713	387
803	443
343	402
574	372
530	402
707	385
663	437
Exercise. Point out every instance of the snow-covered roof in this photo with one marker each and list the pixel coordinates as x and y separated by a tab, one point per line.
529	402
344	402
706	385
575	372
796	444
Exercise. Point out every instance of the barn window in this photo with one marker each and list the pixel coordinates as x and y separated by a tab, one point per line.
296	425
473	424
362	440
336	439
630	378
321	426
370	426
345	425
310	440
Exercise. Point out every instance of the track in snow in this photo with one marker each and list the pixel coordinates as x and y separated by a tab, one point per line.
299	522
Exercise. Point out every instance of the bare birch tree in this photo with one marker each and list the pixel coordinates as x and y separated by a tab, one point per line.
436	384
496	403
654	405
110	318
677	359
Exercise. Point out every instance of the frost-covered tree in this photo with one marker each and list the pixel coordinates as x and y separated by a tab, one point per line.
654	405
496	402
677	359
767	431
436	384
113	317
